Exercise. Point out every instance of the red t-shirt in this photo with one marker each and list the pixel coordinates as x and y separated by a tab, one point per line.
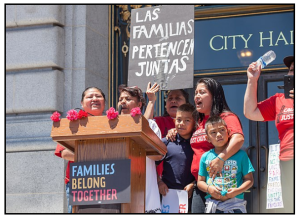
164	124
57	152
199	143
282	111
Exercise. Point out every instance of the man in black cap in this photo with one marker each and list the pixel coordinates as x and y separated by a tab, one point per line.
281	110
289	61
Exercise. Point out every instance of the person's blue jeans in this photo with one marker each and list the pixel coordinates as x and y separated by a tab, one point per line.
198	202
234	211
67	193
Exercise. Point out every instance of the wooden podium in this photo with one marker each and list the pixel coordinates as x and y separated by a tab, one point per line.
99	139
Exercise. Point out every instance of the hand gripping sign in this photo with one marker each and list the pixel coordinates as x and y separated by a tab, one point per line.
175	201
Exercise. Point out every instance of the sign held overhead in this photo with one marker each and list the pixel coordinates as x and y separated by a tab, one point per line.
162	47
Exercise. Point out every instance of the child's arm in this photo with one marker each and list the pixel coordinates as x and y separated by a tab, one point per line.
162	187
201	184
248	182
210	189
189	189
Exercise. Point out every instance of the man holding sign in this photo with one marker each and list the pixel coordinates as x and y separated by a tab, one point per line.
162	47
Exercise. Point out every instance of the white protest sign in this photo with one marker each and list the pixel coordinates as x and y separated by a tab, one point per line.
162	47
274	191
175	201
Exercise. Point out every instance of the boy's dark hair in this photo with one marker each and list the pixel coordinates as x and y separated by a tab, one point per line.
213	120
188	108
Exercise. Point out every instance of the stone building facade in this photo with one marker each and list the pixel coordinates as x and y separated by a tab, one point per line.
53	52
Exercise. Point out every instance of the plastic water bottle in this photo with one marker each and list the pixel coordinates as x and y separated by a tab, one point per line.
264	60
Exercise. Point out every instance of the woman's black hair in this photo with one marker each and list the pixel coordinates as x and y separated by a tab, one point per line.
183	92
93	87
136	92
219	104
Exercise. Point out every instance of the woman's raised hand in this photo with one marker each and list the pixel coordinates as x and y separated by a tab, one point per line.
252	72
151	90
152	98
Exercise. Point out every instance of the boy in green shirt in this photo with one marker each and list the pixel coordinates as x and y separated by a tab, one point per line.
225	191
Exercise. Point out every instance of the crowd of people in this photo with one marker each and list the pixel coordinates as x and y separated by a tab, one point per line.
204	142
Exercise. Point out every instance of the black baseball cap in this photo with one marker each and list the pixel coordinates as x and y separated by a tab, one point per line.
288	60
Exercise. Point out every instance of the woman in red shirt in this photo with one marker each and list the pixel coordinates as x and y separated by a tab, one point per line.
92	102
210	101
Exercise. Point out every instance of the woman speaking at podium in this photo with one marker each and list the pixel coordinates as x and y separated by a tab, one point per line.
132	97
92	102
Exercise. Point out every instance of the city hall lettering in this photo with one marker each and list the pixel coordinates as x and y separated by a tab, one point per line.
265	39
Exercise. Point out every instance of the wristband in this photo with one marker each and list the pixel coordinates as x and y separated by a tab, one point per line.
220	158
207	189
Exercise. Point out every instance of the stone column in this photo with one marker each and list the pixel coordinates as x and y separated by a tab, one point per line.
53	52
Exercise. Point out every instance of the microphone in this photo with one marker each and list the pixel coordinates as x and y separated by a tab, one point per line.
119	110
